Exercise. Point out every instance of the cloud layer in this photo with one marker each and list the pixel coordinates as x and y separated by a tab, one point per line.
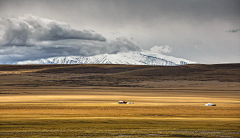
22	31
233	31
161	49
32	37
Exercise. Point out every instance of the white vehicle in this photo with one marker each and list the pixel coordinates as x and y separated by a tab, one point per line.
210	104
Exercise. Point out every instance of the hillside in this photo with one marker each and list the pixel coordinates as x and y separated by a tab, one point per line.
114	75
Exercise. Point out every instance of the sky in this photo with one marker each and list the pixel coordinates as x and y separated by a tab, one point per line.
204	31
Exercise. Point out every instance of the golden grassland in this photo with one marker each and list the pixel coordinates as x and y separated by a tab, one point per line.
46	104
94	112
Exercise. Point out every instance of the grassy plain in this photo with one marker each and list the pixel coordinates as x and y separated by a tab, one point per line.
81	101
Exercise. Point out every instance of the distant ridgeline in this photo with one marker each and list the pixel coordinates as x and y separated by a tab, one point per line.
127	58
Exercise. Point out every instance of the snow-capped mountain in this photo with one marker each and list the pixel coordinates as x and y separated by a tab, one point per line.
128	58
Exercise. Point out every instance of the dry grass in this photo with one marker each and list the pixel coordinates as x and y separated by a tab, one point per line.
94	112
33	105
114	127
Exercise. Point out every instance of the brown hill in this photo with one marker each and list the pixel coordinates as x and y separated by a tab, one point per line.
113	75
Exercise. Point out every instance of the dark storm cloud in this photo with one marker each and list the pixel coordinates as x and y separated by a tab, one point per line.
90	48
12	54
56	32
31	37
24	31
233	31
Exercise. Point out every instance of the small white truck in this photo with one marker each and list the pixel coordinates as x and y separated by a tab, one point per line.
210	104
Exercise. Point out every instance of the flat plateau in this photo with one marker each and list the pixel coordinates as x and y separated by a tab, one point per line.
82	101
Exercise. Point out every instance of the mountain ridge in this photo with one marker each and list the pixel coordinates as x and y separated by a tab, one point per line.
126	58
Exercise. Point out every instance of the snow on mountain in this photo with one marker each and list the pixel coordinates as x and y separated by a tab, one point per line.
128	58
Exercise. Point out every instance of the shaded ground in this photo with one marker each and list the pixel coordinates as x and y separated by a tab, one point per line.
113	75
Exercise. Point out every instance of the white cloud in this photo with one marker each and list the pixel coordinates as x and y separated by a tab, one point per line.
30	37
26	30
161	49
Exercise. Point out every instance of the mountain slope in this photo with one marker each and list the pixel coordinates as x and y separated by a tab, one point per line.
128	58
